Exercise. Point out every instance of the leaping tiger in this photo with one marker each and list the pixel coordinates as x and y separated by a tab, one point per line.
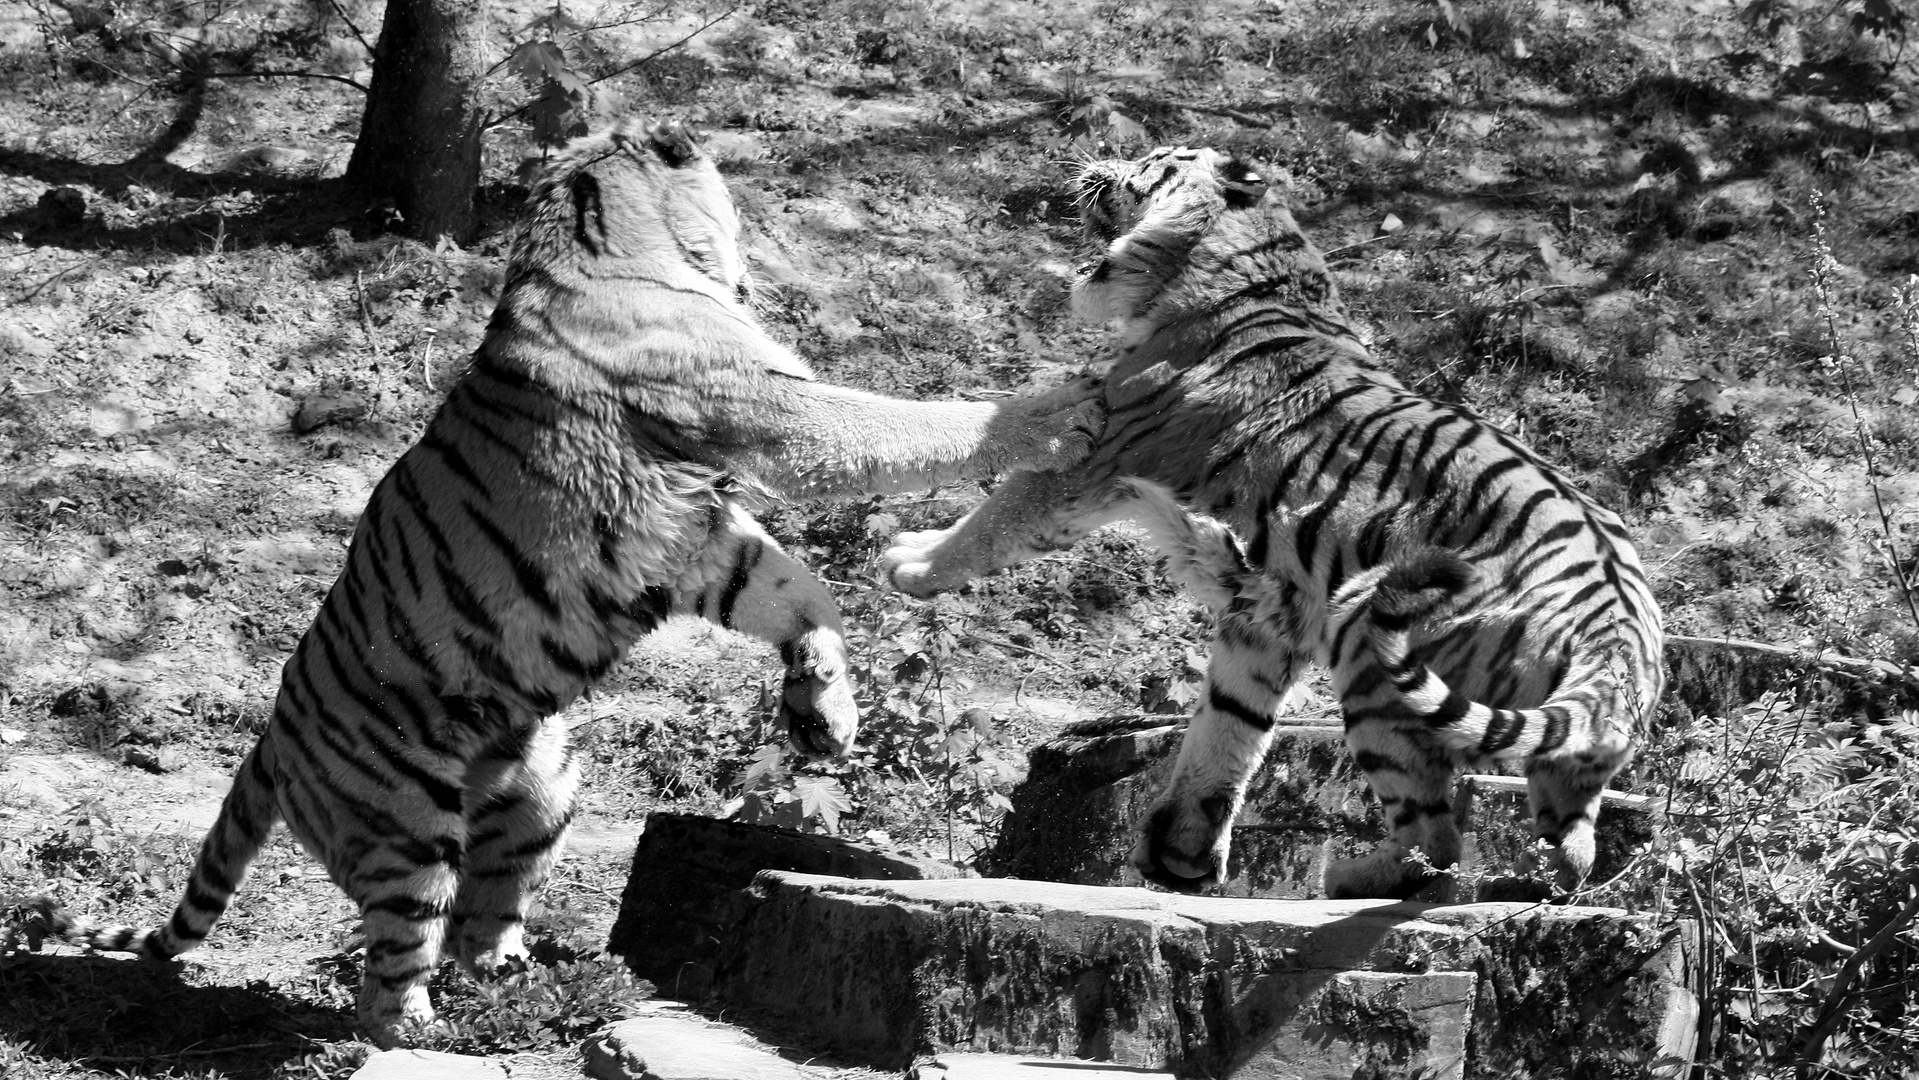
590	475
1469	602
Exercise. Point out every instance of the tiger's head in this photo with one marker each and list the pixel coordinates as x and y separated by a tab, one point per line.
1167	225
638	201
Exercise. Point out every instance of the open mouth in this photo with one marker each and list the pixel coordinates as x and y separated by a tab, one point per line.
1092	192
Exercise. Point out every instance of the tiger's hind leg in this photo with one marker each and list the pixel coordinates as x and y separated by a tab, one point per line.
749	584
1565	795
395	852
1413	778
519	802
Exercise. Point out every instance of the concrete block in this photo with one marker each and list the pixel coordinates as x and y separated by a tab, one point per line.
1012	1067
689	887
1074	815
669	1046
428	1065
1360	1023
1209	984
1072	819
1495	822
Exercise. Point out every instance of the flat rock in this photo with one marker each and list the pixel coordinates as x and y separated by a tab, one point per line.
1213	985
668	1046
1073	818
428	1065
691	885
1012	1067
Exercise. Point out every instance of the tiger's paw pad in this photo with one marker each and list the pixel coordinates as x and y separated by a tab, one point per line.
1184	847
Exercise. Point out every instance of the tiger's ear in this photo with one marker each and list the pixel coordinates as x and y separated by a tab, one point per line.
673	142
1244	186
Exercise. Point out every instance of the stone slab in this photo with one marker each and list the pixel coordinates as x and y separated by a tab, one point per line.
428	1065
690	885
1207	984
1072	818
1010	1067
669	1046
1495	822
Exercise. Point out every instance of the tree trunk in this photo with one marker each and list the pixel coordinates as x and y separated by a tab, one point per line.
419	142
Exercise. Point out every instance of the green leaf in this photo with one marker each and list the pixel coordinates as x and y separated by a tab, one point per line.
821	798
537	61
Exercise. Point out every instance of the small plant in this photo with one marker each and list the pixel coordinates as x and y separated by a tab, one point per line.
556	998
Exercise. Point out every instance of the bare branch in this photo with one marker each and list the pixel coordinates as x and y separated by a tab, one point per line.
348	20
279	75
704	27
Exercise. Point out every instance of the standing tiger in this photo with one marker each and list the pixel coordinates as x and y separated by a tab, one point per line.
586	478
1468	602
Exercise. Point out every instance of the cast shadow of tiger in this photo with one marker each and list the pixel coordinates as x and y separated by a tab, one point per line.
140	1016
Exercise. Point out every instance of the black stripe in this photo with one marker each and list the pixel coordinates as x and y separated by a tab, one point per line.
750	552
1370	761
1450	711
1521	521
1502	730
531	578
456	460
586	204
1558	726
1221	701
410	908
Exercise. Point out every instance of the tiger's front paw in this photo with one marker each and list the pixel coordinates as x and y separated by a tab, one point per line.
908	565
1185	842
816	701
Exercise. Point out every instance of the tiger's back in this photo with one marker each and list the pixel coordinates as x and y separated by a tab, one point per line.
1468	601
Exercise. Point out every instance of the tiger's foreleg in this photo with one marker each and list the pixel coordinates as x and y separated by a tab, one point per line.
1030	514
749	584
1186	838
519	800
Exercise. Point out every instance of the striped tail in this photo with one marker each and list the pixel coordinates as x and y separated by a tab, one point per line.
246	817
1414	588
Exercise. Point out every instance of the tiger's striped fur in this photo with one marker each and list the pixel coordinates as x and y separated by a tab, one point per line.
588	477
1469	603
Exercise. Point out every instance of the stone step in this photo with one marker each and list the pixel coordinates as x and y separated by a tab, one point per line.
689	887
1211	985
1073	817
1013	1067
670	1044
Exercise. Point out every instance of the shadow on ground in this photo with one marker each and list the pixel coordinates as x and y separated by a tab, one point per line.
140	1018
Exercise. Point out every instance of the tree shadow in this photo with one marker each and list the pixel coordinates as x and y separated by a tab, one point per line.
236	209
136	1017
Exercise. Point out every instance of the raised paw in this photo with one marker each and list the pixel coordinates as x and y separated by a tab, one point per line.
908	565
1184	842
816	700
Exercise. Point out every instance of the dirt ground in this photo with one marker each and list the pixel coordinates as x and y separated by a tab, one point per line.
1596	230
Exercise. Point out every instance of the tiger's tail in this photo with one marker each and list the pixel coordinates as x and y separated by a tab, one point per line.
1204	557
1415	587
247	816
